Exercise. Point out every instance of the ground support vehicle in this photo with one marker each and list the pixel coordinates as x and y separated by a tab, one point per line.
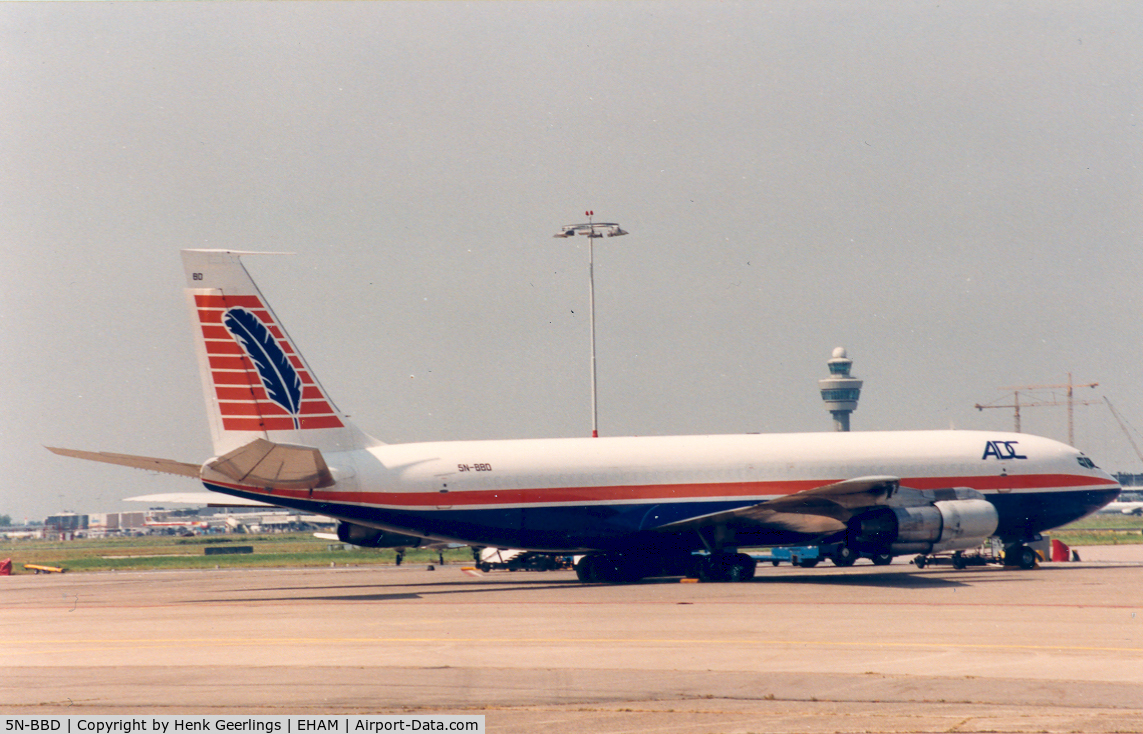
1023	555
809	556
37	568
503	559
805	556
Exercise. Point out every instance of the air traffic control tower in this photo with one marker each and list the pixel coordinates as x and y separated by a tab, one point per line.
840	390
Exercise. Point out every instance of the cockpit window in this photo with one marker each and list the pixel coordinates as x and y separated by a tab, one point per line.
1086	463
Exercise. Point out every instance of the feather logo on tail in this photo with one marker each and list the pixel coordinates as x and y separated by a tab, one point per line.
281	380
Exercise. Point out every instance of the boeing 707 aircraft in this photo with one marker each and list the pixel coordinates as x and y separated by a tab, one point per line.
635	507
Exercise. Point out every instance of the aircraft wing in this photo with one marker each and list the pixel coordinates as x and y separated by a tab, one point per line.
208	499
426	546
819	510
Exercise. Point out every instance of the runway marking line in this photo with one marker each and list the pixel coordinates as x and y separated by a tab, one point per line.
696	601
123	643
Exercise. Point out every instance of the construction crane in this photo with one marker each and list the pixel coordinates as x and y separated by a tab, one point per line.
1122	425
1069	401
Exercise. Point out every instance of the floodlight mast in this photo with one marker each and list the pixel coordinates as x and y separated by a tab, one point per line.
591	321
592	230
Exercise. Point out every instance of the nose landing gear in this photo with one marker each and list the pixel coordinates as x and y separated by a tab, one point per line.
1020	555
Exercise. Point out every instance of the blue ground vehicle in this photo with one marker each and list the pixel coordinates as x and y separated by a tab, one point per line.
810	555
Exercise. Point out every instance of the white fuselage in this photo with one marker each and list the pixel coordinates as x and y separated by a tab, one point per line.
546	489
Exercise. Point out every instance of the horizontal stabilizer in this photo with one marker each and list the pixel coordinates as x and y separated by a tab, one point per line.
167	466
263	463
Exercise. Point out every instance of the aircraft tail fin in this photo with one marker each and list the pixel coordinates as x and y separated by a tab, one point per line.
256	383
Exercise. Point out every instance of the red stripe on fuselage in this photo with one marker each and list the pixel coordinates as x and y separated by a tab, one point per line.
999	483
663	493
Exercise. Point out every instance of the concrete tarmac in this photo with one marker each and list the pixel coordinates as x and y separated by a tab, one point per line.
865	649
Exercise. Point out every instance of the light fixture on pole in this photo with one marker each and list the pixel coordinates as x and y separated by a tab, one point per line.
592	230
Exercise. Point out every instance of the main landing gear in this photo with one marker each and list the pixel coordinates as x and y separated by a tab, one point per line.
617	567
611	568
726	567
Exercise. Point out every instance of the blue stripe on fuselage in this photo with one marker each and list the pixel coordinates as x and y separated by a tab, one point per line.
616	526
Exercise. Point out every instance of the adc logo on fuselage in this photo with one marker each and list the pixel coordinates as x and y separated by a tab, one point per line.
1002	450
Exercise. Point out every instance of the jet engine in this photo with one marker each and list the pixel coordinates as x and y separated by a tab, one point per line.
348	532
931	521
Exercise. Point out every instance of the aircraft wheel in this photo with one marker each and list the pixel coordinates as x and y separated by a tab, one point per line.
609	568
882	559
726	568
920	561
585	569
710	569
748	566
1022	556
844	556
722	567
958	561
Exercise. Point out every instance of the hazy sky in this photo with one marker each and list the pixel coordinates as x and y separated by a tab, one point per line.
952	191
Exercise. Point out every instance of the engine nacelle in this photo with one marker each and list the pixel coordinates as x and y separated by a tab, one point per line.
944	525
347	532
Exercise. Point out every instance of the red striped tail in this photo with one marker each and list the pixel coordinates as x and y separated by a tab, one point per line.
256	382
